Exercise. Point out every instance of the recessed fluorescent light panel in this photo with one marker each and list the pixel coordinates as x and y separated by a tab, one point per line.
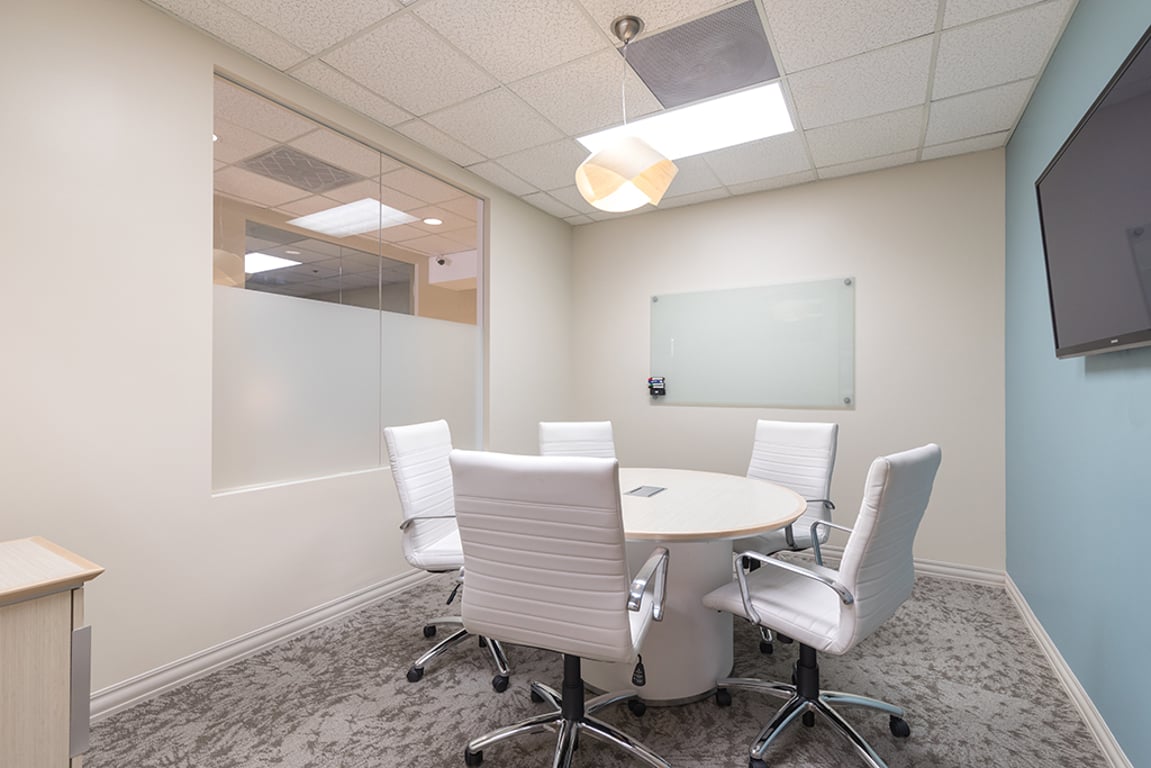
262	262
356	218
723	122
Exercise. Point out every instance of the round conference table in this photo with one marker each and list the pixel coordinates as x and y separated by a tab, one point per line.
696	516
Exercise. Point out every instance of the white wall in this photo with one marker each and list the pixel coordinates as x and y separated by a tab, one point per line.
925	245
106	306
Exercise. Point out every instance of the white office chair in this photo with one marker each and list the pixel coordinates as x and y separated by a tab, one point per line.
577	438
833	610
799	456
419	459
544	550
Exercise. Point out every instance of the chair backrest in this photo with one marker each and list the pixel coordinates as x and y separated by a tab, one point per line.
877	564
797	455
544	552
418	454
577	438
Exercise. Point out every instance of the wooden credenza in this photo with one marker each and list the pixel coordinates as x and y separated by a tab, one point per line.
45	654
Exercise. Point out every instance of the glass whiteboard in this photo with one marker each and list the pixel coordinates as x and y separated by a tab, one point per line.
787	346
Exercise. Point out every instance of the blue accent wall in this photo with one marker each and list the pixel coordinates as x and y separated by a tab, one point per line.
1078	431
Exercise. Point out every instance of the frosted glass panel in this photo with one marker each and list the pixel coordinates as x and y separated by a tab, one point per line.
774	346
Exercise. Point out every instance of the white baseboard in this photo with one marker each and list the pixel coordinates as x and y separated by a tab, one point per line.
120	696
1095	722
969	573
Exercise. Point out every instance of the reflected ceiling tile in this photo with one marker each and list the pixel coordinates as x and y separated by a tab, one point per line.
548	167
975	114
346	91
863	166
812	32
496	123
978	144
438	141
584	95
241	107
359	190
502	177
999	50
419	185
268	193
307	205
869	84
407	63
465	206
237	30
340	151
865	138
315	26
512	39
776	156
432	244
235	143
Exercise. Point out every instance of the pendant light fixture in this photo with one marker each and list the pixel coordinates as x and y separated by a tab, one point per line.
627	173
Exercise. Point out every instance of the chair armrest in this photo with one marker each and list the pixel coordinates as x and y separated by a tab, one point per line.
844	593
815	538
408	522
653	572
789	533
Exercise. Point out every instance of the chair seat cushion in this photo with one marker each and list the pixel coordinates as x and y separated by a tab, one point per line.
442	554
801	608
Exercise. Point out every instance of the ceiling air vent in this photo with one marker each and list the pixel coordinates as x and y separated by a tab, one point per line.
301	170
716	54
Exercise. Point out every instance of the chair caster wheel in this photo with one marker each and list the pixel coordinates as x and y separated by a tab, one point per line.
637	707
536	698
809	719
483	642
899	727
783	639
429	630
473	758
766	647
723	697
414	674
755	762
500	683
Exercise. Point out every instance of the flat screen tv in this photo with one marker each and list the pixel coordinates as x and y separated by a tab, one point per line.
1095	217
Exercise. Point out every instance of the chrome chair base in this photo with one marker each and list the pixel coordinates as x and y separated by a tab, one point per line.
499	681
806	700
570	716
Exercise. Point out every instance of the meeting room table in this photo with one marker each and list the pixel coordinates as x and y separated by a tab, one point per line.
696	515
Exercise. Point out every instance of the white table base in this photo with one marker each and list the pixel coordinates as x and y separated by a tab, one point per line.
684	654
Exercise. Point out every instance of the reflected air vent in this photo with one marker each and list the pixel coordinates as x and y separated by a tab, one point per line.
710	56
301	170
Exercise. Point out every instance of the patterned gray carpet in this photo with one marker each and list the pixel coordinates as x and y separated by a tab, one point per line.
957	656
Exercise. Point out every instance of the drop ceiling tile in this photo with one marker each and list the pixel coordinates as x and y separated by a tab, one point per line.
548	167
868	137
501	177
496	123
872	164
808	33
408	64
346	91
958	12
571	197
419	185
237	30
762	185
584	96
577	220
438	141
976	114
693	175
241	107
261	190
235	143
999	50
549	204
869	84
978	144
512	39
775	156
693	198
656	14
341	152
314	26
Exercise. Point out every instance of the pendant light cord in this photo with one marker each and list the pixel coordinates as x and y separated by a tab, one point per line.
623	85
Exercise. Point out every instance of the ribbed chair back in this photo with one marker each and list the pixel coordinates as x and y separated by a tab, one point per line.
577	438
418	454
